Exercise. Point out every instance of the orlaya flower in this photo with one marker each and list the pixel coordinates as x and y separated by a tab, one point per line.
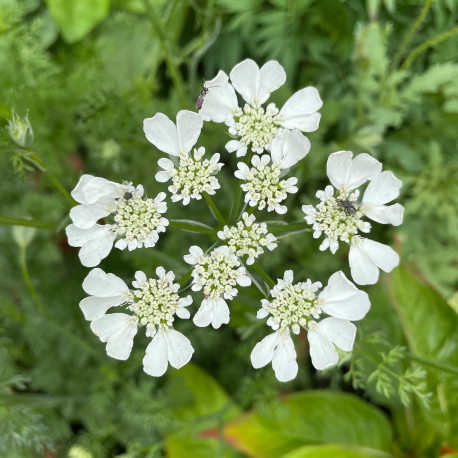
153	304
217	274
339	215
136	221
296	306
254	126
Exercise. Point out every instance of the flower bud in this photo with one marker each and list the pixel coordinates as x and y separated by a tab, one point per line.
20	130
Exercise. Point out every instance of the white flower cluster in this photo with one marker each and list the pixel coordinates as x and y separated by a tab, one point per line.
248	238
270	141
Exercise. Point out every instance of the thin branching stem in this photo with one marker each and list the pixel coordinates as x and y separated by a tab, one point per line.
7	221
214	208
263	274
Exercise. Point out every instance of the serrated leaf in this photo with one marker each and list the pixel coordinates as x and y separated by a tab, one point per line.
313	417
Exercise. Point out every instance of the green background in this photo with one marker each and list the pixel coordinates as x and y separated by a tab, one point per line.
89	72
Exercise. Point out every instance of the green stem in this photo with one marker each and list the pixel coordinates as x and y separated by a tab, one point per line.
169	62
431	43
410	33
186	277
28	283
438	366
264	275
190	227
26	222
212	205
282	228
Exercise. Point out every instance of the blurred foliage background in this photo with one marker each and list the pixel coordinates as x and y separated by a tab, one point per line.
88	72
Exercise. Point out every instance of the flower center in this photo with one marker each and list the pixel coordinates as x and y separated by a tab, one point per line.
338	218
264	186
194	176
136	218
292	306
155	304
247	237
256	126
216	273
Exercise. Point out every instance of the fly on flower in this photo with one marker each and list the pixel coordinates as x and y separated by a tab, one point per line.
202	94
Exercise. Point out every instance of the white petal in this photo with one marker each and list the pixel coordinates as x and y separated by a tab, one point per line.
90	189
155	361
99	283
322	351
382	189
94	307
343	300
85	216
340	332
204	315
78	237
299	111
271	76
97	248
179	348
162	133
165	163
220	313
343	171
367	256
386	214
183	313
284	360
189	125
244	280
263	351
220	101
162	176
245	80
289	147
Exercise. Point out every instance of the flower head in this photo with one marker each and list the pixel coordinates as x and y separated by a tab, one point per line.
248	238
192	177
253	126
217	274
136	221
297	306
20	130
339	215
263	185
153	304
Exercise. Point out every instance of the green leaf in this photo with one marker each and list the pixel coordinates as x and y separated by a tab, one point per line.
312	417
77	18
332	451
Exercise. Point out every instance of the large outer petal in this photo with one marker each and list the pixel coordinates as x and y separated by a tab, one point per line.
179	348
322	351
85	216
162	133
95	307
300	110
90	189
367	256
99	283
342	299
245	80
220	101
342	171
284	360
189	125
271	76
382	189
289	147
98	248
386	214
204	315
118	331
340	332
263	351
155	361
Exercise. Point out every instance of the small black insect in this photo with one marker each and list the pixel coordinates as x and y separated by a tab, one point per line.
200	99
127	196
349	206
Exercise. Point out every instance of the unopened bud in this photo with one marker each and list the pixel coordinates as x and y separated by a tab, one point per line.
20	130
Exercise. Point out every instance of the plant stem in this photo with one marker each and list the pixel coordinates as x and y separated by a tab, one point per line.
190	227
264	275
427	362
214	208
169	62
279	229
434	41
238	194
26	222
186	277
410	33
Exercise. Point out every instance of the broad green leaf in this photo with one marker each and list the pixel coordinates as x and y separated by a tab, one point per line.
312	417
333	451
77	18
